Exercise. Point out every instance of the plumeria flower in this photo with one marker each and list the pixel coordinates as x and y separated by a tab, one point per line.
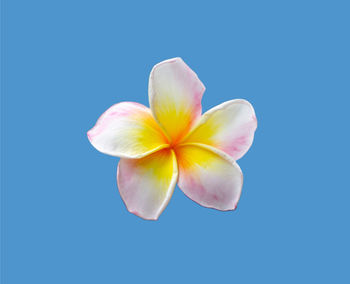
172	142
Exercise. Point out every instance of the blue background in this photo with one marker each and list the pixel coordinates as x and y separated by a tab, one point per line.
65	62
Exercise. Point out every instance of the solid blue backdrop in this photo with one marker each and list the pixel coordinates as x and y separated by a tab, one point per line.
65	62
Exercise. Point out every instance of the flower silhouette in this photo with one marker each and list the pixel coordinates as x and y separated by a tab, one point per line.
172	142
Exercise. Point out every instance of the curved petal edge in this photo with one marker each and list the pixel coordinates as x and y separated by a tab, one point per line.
212	179
127	130
229	127
175	94
147	184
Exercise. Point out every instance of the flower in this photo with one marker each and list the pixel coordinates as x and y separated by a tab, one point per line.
172	142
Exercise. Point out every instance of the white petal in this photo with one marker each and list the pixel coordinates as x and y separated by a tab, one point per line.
147	184
229	127
127	130
175	95
212	179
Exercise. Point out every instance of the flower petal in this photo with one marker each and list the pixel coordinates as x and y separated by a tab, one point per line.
175	95
127	130
229	127
146	185
211	179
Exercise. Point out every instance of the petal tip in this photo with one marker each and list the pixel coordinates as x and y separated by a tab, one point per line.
147	218
89	135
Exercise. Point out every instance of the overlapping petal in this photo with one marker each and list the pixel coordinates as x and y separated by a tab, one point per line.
146	185
127	130
171	142
175	94
212	179
229	127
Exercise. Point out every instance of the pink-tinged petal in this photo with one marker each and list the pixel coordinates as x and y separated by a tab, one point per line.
229	127
175	95
127	130
212	179
147	184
